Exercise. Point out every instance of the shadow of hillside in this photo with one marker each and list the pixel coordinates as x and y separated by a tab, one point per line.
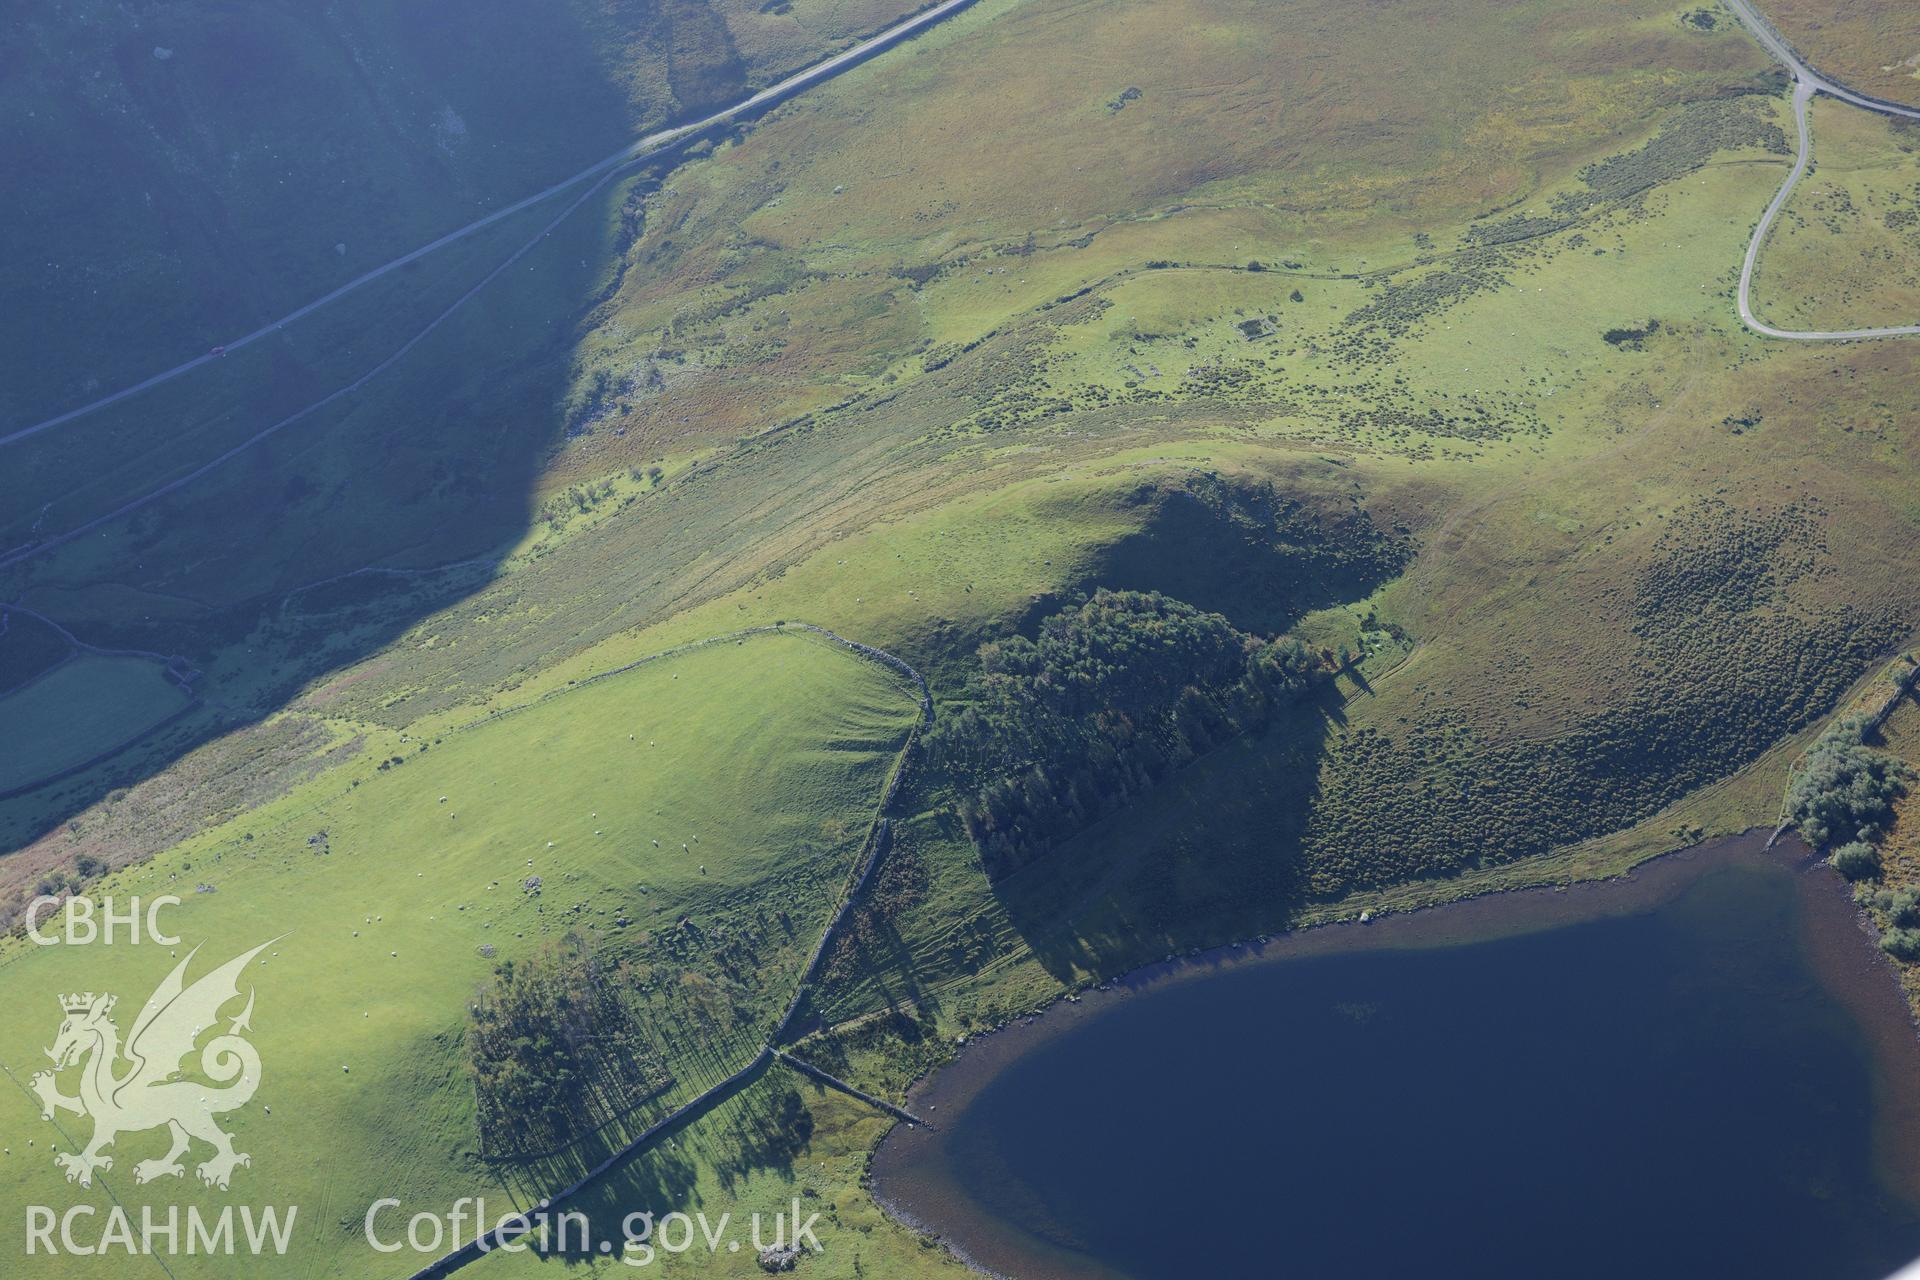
431	464
263	154
1259	553
257	574
313	549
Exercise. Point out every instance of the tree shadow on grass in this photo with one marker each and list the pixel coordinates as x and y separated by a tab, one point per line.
764	1126
1208	857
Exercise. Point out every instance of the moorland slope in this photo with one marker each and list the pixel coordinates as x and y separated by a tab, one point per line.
1419	357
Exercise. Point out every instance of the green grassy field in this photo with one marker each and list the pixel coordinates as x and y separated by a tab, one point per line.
765	758
78	710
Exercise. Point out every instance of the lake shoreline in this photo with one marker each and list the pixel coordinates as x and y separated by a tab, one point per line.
1834	935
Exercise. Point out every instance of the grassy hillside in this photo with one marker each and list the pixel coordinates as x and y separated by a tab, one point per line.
510	411
1565	499
1846	252
1405	331
394	892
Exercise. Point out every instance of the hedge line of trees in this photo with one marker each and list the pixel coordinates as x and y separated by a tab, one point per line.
556	1051
1110	698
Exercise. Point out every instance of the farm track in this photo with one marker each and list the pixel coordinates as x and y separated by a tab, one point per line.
1806	83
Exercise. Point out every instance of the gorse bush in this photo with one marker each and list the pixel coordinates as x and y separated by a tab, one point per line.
1847	789
1856	860
1111	698
1901	944
1902	907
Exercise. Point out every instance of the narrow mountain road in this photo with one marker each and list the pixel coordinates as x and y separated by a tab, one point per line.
631	154
1806	83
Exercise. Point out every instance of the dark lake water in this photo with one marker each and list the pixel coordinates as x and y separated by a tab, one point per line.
1680	1088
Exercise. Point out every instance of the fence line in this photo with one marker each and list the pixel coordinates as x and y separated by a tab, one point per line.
873	850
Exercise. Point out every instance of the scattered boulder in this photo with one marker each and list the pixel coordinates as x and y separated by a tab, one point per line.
778	1258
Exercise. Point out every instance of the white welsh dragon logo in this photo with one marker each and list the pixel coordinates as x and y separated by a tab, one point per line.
150	1091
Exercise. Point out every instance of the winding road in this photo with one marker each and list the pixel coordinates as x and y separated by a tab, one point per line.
627	156
1806	83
